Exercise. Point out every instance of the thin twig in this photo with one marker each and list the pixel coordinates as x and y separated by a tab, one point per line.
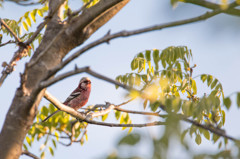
155	123
24	4
212	129
124	103
139	112
109	37
8	42
210	5
2	22
62	137
25	152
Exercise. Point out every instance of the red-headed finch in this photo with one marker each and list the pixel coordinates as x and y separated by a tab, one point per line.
78	98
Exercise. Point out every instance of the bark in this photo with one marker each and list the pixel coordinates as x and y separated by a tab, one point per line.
24	106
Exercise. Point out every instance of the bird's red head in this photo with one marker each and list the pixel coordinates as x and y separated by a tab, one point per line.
85	83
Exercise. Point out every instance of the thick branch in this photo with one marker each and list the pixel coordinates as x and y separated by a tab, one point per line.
109	37
23	108
84	20
63	107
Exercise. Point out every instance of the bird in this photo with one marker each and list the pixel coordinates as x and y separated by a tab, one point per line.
78	98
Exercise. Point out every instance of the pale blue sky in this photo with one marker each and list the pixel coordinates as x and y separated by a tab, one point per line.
215	47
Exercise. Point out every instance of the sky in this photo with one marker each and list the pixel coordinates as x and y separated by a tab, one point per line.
214	43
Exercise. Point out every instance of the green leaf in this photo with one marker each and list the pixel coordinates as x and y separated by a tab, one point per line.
140	55
134	64
144	78
54	143
238	99
194	86
227	102
44	111
42	155
220	145
33	15
141	65
209	80
192	130
148	55
130	139
215	138
127	118
51	150
28	141
214	83
156	58
198	139
154	106
104	117
40	13
26	14
163	63
183	135
145	104
57	136
117	114
206	134
28	20
203	77
122	119
184	84
130	130
25	26
25	146
223	116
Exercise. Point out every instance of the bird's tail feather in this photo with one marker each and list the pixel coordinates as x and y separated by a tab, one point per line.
50	115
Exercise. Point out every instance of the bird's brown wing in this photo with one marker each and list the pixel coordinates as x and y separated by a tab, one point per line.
73	95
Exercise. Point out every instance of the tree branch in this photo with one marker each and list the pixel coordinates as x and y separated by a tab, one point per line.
109	36
210	5
49	82
25	152
155	123
210	128
139	112
86	118
2	22
23	4
68	25
109	107
8	42
23	47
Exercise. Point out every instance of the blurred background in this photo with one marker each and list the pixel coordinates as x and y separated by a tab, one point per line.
214	44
